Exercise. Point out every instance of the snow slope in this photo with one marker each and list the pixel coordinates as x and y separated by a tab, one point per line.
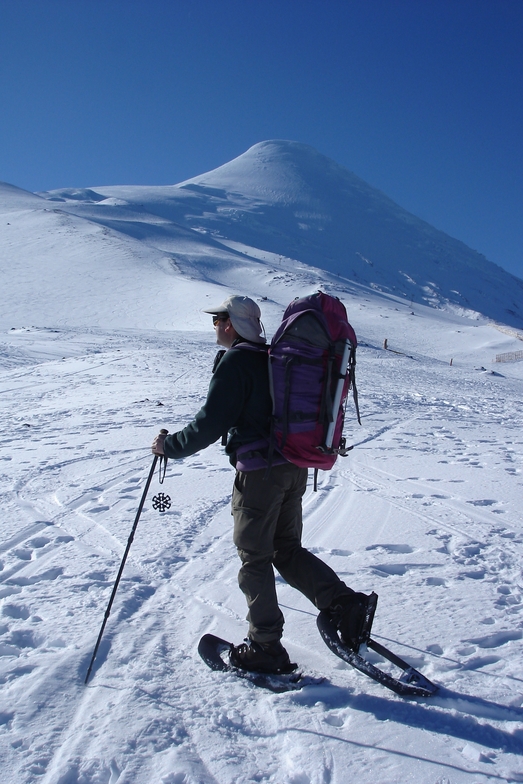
287	199
425	510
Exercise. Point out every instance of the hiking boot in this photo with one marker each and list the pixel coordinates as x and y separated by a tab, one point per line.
353	614
261	657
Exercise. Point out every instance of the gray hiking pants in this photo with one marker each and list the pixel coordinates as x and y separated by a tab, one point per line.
267	531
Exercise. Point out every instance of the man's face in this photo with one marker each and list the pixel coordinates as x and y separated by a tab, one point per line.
225	332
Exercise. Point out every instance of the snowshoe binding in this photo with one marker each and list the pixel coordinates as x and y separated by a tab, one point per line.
269	657
346	626
220	655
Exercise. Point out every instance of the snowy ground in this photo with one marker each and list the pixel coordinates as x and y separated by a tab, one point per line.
426	511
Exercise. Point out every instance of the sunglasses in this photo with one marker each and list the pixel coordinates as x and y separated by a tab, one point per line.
217	319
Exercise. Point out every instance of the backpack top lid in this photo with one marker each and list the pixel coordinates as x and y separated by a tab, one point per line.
330	311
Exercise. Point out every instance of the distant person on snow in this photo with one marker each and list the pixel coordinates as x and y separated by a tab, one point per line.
266	506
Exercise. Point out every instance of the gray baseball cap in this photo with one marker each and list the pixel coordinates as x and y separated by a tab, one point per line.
244	314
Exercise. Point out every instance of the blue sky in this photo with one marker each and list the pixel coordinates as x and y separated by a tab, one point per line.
421	98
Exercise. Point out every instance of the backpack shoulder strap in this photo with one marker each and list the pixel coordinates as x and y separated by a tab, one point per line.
259	348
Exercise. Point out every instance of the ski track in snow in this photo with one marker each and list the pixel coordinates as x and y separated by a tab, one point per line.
424	510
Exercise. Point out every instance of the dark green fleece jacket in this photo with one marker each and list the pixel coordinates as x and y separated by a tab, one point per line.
238	402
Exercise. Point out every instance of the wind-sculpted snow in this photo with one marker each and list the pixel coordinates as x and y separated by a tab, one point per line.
425	510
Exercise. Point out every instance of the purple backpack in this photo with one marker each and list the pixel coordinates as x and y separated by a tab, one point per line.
312	360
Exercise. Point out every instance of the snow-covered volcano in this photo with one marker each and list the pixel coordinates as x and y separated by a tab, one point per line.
285	198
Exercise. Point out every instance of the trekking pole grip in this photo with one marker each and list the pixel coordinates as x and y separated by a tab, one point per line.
163	460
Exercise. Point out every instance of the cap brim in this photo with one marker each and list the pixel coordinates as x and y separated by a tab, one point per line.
215	311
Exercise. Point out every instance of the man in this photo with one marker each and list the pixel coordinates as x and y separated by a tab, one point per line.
266	504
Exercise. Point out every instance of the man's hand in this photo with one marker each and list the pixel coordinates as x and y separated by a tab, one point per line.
157	445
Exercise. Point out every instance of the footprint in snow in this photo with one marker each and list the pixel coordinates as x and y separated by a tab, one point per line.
479	661
17	672
392	548
504	533
15	611
497	639
6	718
467	650
24	638
4	592
39	541
327	551
477	574
469	550
506	598
50	574
387	570
436	581
400	569
23	554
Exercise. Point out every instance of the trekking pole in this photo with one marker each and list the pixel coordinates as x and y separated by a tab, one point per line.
129	543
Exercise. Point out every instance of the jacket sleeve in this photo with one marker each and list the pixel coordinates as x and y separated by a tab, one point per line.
225	401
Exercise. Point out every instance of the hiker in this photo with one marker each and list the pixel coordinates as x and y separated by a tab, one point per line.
266	504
